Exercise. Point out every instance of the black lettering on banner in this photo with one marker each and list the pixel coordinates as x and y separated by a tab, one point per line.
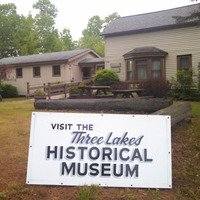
115	154
105	167
61	152
66	169
94	171
108	138
136	154
124	139
106	152
53	126
121	154
145	157
133	171
82	149
53	152
78	137
116	141
120	173
70	153
97	153
84	168
138	140
61	126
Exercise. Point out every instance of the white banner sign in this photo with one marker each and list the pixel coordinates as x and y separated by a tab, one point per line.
103	149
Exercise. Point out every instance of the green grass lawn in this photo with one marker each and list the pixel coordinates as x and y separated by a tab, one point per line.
15	122
13	99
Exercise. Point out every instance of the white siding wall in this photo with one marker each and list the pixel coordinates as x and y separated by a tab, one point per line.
175	42
68	70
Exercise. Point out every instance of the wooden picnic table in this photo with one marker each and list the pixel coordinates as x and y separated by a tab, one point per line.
89	90
127	93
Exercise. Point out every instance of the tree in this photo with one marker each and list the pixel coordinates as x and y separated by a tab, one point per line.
9	26
66	38
27	39
19	35
45	21
91	35
110	18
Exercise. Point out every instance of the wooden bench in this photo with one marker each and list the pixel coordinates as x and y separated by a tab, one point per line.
127	93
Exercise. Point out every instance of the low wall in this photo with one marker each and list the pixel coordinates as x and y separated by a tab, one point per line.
132	105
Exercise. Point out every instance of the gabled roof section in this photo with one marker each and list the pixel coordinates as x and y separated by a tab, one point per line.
144	52
92	60
55	57
149	22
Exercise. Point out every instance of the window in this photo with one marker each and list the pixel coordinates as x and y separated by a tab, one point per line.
19	73
184	62
147	62
56	70
129	70
156	69
36	71
141	69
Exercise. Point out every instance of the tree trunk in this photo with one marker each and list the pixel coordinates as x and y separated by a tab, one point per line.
177	111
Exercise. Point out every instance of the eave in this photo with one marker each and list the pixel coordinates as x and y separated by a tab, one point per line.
151	29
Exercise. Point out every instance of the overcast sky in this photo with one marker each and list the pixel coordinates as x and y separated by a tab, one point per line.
74	14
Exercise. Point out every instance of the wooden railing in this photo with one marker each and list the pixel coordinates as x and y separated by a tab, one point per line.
52	89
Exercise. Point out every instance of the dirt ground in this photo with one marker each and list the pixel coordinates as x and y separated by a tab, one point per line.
13	166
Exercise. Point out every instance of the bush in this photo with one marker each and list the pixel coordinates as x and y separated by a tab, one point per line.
156	87
74	89
195	96
9	91
40	92
183	83
184	87
105	77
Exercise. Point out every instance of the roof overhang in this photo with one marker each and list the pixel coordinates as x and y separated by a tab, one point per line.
151	29
145	52
48	58
91	62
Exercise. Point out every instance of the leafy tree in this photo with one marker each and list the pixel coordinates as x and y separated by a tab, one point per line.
110	18
45	21
91	35
9	26
94	26
66	38
27	39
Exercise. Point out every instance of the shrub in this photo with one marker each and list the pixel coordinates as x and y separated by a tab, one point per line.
9	91
183	83
40	92
88	192
156	87
105	77
74	89
184	87
195	96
